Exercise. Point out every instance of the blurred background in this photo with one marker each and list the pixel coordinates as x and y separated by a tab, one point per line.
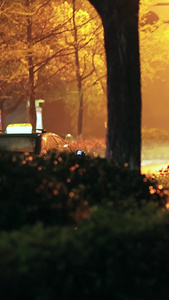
53	64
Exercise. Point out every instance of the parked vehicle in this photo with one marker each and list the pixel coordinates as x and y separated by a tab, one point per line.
22	138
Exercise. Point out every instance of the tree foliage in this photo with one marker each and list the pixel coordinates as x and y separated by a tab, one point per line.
38	51
52	48
154	42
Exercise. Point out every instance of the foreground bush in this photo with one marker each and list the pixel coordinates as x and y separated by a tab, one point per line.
109	256
116	244
60	190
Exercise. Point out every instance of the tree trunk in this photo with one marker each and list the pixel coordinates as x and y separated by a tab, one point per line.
78	77
32	109
120	22
80	118
2	114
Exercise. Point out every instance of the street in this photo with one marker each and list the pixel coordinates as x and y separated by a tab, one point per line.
153	166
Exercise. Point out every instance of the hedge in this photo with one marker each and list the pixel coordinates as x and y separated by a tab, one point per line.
121	256
81	228
58	190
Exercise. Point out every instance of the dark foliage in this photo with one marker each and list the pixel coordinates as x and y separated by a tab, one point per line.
60	190
118	256
113	242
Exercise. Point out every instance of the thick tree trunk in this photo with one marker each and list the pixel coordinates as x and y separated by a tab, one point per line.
120	21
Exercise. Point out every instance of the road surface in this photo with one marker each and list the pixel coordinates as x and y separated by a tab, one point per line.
153	166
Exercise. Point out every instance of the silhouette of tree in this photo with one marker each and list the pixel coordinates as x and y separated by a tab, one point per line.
120	22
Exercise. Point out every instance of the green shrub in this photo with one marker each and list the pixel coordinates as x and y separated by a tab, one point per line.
108	256
116	244
57	191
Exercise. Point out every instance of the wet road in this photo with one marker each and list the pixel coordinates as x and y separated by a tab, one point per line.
153	166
